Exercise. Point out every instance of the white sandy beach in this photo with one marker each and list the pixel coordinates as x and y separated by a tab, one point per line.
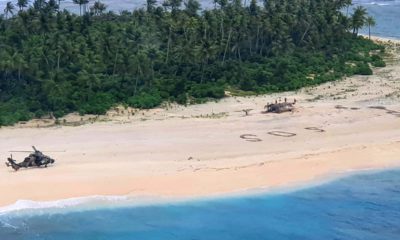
198	150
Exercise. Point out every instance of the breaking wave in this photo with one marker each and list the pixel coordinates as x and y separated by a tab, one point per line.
27	206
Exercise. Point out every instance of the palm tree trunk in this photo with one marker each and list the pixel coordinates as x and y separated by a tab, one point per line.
202	72
115	62
250	40
226	46
369	31
257	38
58	62
168	45
304	34
136	80
222	26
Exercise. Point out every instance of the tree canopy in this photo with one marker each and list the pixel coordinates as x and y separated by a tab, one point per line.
54	61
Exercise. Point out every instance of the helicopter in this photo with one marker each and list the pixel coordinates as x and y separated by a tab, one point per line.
35	159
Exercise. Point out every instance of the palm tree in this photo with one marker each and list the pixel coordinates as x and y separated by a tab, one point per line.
358	19
22	4
98	8
81	3
204	53
370	21
39	4
173	4
150	5
192	7
52	5
85	2
9	9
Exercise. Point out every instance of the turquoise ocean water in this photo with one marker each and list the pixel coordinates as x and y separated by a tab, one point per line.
361	207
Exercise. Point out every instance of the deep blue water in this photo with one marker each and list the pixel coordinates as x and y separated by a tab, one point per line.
362	207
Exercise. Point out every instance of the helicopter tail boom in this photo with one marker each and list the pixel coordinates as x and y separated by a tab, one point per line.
11	163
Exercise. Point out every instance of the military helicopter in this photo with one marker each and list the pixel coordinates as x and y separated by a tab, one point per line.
35	159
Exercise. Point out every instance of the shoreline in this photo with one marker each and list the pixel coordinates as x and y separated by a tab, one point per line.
382	38
100	202
213	148
305	179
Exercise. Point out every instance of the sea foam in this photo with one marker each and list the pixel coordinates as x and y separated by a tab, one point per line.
24	206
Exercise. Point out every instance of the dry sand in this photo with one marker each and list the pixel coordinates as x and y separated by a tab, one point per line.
202	149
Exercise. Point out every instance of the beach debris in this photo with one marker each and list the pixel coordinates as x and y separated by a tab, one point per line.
35	159
394	113
247	111
340	107
315	129
280	107
250	138
282	134
388	111
378	107
193	159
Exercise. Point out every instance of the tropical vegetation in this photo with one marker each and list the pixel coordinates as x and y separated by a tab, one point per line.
53	62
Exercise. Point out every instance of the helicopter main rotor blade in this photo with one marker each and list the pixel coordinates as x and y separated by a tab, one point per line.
32	151
19	151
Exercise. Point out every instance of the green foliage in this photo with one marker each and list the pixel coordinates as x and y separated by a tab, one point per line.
208	90
145	100
14	111
363	69
377	61
56	62
99	103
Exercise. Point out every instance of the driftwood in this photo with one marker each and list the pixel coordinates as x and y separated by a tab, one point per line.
394	113
247	111
378	107
388	111
340	107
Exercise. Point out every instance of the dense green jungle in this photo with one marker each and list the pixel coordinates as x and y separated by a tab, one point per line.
53	62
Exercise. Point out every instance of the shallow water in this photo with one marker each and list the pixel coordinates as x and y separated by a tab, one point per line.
364	206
